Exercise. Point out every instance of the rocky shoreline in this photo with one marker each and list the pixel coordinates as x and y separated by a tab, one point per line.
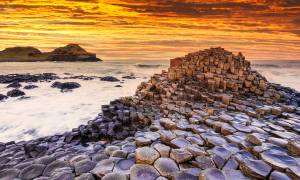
210	116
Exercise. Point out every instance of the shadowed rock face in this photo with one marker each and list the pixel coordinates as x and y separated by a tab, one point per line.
71	52
208	117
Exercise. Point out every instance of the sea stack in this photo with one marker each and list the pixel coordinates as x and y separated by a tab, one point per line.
210	116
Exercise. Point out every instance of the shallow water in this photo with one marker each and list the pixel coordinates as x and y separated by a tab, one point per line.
48	111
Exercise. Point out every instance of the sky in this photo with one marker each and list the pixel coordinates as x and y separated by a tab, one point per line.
155	29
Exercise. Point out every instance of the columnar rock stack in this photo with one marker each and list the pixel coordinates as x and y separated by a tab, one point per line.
200	120
220	70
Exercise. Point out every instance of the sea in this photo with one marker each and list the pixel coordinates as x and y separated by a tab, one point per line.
47	111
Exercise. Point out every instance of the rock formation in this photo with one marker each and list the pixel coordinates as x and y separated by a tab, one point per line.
71	52
208	117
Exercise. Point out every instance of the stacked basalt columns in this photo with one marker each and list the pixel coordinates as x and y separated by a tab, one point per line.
219	70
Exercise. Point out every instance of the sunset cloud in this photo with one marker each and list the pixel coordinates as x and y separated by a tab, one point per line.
155	29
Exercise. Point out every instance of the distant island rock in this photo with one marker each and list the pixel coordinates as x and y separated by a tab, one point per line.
70	53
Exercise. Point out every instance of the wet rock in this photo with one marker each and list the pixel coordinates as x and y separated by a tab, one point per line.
293	172
85	176
142	141
212	174
143	171
180	155
167	123
242	128
255	168
30	87
70	85
124	165
9	173
166	166
183	176
84	166
110	149
56	84
163	150
203	162
256	138
146	155
32	171
215	141
294	147
14	85
235	174
15	93
231	164
115	176
65	86
119	154
275	175
109	79
57	164
180	143
152	135
3	97
65	175
45	160
278	161
103	167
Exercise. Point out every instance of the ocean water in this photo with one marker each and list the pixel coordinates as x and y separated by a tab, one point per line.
47	111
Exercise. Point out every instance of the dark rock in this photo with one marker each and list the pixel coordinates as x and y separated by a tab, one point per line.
32	171
3	97
56	84
66	85
30	87
10	78
54	165
15	93
14	85
9	173
70	85
109	79
84	166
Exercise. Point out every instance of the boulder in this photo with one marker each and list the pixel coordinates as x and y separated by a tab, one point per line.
14	85
30	86
15	93
109	79
3	97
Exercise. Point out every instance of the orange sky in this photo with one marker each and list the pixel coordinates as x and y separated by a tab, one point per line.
155	29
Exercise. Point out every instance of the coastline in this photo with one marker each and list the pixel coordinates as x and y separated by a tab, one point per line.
190	123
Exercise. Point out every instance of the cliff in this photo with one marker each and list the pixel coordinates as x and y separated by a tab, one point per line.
71	52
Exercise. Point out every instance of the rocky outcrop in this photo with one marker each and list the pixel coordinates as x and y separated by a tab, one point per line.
71	52
209	117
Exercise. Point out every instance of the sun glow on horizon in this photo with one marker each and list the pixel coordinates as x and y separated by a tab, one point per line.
152	29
